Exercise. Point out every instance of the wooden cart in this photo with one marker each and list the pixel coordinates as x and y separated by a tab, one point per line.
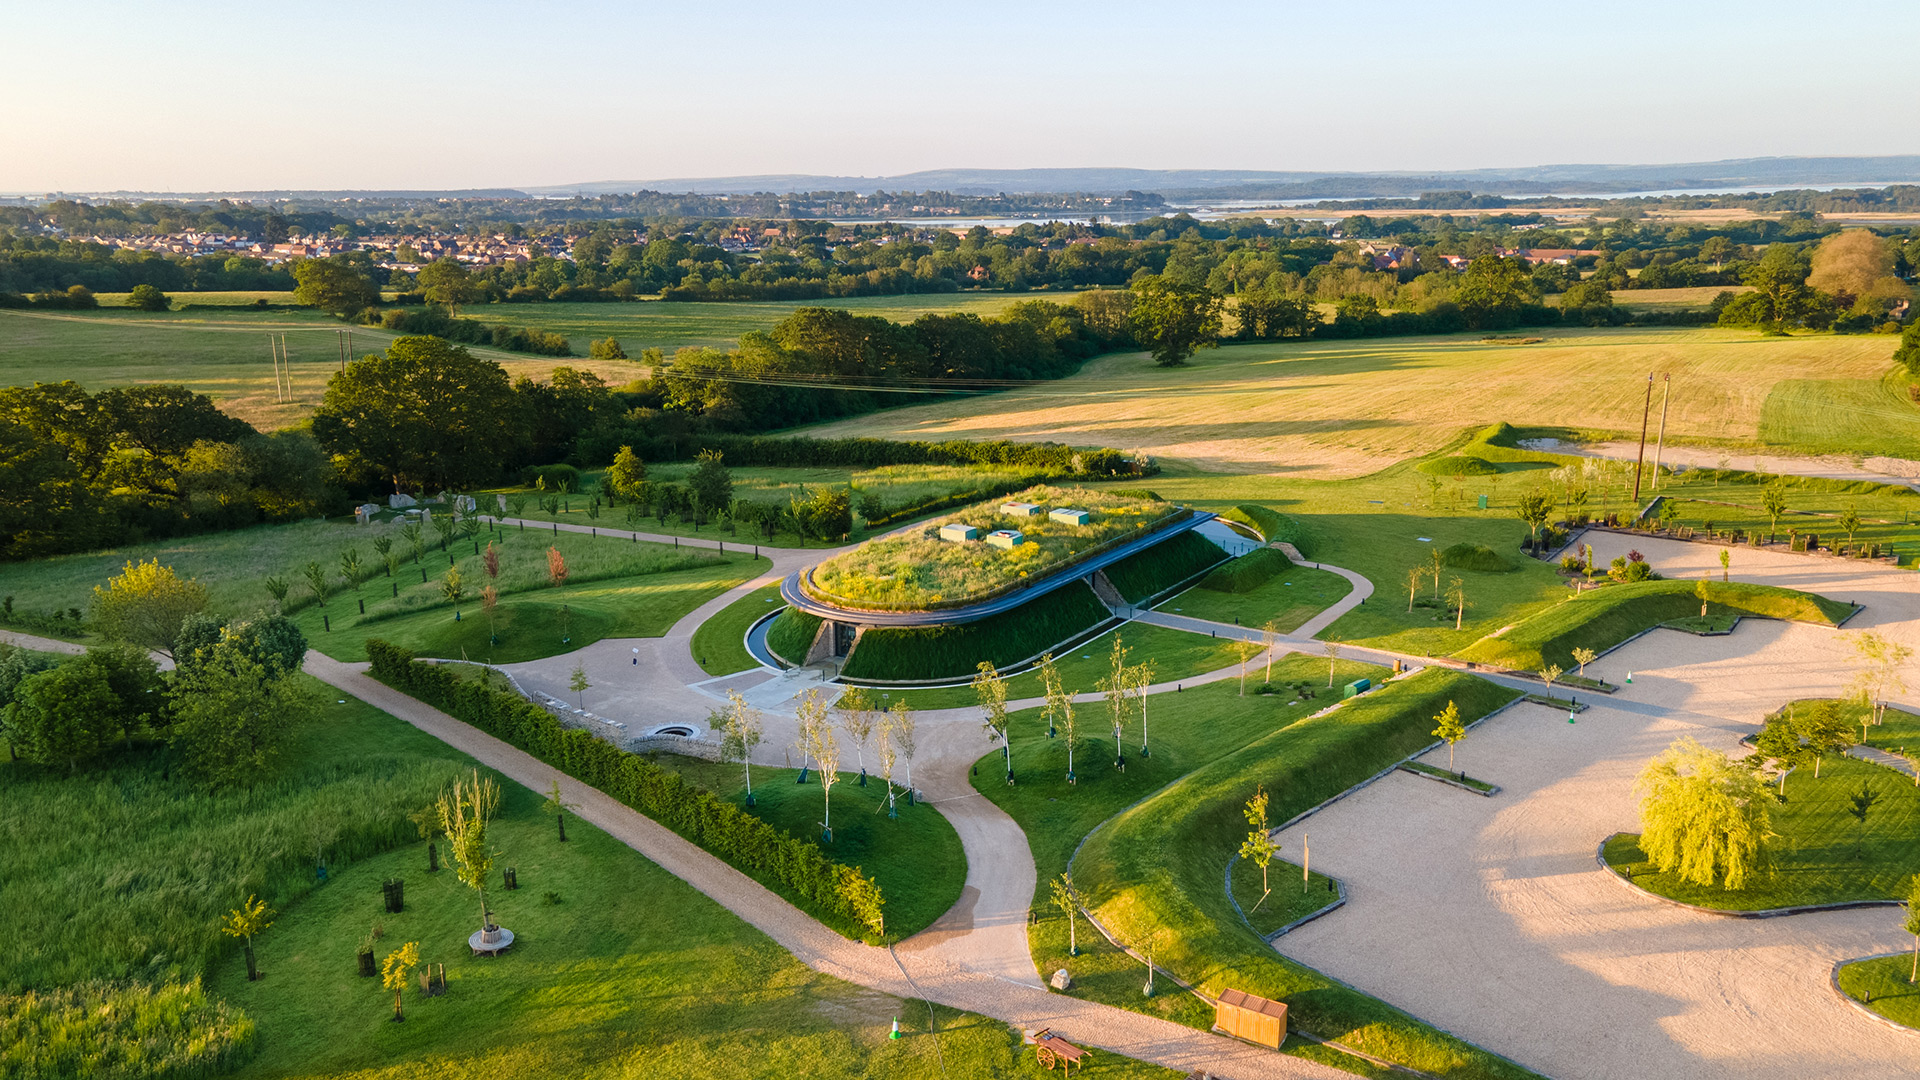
1053	1050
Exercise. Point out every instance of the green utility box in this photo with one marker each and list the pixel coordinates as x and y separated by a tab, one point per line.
1356	688
1483	502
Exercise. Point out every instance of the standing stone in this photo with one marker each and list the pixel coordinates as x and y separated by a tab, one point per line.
1061	980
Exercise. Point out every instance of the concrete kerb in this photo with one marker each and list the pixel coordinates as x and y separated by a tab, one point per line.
1340	888
1833	981
1600	857
1492	789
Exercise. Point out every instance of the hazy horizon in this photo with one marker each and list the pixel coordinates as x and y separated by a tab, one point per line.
208	96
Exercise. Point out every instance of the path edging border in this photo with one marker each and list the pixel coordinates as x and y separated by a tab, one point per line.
1861	1007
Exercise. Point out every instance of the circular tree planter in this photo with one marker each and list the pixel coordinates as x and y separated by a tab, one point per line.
491	941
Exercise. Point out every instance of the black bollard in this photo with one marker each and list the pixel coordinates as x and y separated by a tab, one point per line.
396	590
326	623
363	607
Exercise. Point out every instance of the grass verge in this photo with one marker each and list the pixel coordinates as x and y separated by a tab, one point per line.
1883	985
720	643
1289	598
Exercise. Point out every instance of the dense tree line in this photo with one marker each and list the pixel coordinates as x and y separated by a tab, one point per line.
30	264
80	471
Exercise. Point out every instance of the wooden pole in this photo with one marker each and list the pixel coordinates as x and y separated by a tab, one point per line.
273	355
1641	458
1660	444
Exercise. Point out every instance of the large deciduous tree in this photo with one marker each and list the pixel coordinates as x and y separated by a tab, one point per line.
146	605
233	716
1493	292
427	413
333	286
1705	816
1174	320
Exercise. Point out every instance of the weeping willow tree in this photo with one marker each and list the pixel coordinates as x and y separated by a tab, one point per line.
1705	816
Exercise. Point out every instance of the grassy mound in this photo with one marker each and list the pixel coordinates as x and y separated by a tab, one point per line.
1458	465
1159	864
1248	572
1606	617
1272	525
1163	566
792	634
1475	557
952	652
921	572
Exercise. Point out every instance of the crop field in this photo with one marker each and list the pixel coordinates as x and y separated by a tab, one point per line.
221	353
1331	409
652	324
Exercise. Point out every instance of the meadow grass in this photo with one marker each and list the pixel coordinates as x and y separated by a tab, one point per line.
220	352
105	1030
1175	655
1187	730
124	871
630	973
916	857
719	644
1842	416
1884	986
1822	855
918	571
1155	871
1602	618
1346	408
1289	598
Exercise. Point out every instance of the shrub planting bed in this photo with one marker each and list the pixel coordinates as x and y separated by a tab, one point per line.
952	652
1605	617
1163	566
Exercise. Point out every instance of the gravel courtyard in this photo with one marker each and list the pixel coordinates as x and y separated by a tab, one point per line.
1490	917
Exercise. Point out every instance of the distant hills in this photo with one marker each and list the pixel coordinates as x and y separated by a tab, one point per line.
1255	184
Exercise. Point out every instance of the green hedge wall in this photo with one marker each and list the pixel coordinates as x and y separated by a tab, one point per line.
792	634
952	652
1273	525
1248	572
796	869
1163	566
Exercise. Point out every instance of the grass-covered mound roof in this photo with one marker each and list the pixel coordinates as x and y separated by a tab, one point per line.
920	571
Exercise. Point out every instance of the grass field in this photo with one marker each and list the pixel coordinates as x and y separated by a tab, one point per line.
222	353
1883	985
1155	870
916	857
719	644
1605	617
1289	599
1822	855
1842	416
1329	409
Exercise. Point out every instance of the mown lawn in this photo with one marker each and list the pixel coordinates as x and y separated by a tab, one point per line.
916	857
1188	730
1290	599
1822	855
1884	986
720	643
1602	618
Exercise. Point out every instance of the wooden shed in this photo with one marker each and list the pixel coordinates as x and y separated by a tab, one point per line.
1250	1017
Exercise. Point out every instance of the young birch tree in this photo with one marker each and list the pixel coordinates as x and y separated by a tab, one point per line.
1060	710
1259	845
816	730
1912	926
1270	640
1050	686
1244	650
1067	899
990	690
1448	726
903	738
1415	575
857	716
888	756
740	730
1583	656
1333	657
1457	596
1139	677
1114	686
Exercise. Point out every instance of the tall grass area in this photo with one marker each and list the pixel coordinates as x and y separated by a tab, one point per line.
1603	618
954	651
1163	566
117	1031
919	571
125	871
1158	867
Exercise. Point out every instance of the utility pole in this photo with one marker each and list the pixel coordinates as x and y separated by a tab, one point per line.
1640	459
1660	444
273	354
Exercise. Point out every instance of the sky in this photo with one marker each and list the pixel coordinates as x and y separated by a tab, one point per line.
208	95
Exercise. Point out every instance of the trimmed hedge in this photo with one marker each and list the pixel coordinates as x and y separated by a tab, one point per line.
796	869
1605	617
952	652
791	635
598	446
1272	525
1248	572
1163	566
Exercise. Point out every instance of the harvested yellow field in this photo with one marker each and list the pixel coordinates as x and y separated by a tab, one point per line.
1346	408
